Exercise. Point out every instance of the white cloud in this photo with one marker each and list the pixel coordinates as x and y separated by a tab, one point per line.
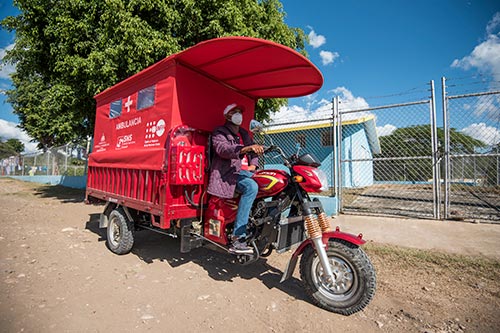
316	40
328	57
348	101
289	114
385	130
9	130
485	56
321	109
314	110
487	107
493	24
487	134
6	69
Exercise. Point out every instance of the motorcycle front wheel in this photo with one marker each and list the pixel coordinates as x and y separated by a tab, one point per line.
354	278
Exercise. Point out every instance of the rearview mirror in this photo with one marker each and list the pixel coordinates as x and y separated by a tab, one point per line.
256	126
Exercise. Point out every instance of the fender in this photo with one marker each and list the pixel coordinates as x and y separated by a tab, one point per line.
337	234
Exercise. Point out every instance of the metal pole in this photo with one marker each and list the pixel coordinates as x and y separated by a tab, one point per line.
435	156
66	159
446	150
339	154
498	165
333	134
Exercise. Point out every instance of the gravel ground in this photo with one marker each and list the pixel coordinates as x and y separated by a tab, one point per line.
56	275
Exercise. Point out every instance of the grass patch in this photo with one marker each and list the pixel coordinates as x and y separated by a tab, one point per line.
415	258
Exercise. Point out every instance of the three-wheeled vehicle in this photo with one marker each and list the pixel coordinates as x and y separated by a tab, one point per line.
151	157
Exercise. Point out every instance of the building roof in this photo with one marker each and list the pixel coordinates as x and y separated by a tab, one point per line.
368	122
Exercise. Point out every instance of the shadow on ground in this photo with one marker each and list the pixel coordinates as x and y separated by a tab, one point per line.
64	194
150	247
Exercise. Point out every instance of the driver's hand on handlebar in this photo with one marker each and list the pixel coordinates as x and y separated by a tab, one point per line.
258	149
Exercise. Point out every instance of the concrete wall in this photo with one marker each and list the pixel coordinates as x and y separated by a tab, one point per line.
68	181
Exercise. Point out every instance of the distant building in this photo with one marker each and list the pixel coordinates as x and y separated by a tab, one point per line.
359	143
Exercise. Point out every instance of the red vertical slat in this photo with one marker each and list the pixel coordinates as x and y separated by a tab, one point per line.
121	183
142	181
102	178
149	185
135	178
111	178
155	188
146	185
128	181
106	180
99	178
89	177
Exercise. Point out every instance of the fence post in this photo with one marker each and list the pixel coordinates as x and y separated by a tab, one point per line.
339	152
446	150
66	158
436	181
333	137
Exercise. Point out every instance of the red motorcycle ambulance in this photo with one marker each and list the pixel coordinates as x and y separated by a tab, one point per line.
151	157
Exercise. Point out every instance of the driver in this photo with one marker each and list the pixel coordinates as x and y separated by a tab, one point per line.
235	160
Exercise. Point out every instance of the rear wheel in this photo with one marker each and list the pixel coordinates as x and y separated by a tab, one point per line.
354	283
120	233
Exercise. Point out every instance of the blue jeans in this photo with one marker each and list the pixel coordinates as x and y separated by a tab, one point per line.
248	189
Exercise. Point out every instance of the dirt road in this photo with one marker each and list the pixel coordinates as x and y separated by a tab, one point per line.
56	275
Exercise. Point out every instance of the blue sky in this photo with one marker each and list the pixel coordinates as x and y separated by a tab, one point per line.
366	49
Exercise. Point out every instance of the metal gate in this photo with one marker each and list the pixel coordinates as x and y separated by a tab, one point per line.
392	173
472	156
396	160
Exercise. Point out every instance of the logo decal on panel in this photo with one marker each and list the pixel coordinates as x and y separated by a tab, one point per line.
102	144
122	142
154	130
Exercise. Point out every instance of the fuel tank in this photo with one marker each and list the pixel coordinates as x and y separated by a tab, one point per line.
270	182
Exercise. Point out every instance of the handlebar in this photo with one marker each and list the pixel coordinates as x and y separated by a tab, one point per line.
274	148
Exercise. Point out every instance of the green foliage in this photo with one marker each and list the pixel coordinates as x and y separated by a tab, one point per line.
416	141
16	145
11	147
67	51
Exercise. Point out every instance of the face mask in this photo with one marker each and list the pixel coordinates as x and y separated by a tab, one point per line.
237	119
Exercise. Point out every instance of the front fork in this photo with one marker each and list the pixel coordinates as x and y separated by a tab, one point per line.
315	228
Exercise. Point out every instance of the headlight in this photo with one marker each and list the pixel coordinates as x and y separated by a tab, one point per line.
323	179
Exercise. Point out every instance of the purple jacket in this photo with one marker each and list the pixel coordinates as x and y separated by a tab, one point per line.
226	162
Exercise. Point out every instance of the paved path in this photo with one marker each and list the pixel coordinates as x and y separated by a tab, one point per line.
450	236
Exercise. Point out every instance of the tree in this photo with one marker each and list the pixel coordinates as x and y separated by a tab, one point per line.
415	143
16	145
10	147
68	51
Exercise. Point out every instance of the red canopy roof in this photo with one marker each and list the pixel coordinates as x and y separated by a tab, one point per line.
256	67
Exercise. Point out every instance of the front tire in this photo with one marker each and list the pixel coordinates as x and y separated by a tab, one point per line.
355	281
120	233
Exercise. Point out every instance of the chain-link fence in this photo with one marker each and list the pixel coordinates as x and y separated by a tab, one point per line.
396	160
295	135
472	156
387	160
68	160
